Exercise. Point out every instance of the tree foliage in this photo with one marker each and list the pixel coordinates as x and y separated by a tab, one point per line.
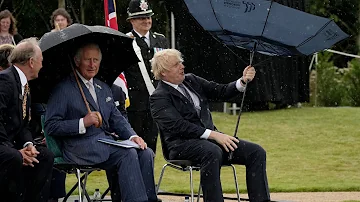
346	14
33	16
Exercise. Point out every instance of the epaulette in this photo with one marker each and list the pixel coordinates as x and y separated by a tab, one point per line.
130	34
159	34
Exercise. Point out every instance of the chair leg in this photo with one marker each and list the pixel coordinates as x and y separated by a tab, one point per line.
78	175
84	192
199	192
106	192
73	188
160	178
191	184
236	182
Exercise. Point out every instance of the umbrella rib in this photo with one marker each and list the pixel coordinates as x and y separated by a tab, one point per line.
217	20
269	47
267	17
308	39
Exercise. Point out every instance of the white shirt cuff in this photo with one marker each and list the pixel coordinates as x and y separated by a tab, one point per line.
82	129
27	143
131	137
206	134
240	86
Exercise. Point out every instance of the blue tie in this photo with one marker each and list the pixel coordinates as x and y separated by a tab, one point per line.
186	93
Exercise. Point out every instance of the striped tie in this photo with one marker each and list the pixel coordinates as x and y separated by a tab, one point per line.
186	93
26	92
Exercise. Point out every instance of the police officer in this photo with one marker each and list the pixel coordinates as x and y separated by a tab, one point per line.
139	15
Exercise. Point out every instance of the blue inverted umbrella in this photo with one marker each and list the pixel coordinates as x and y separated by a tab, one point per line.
266	27
273	29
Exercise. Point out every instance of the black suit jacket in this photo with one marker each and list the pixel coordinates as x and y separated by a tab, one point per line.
138	93
14	130
177	118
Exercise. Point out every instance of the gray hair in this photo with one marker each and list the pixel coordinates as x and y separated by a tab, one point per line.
23	51
79	51
161	61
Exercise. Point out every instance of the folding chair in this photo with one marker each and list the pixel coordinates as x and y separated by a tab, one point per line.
186	165
59	163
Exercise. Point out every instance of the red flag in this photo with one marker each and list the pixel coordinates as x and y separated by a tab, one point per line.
111	21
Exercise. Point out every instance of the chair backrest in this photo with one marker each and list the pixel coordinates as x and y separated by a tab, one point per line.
52	144
165	150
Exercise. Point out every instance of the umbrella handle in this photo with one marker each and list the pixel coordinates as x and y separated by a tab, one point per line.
84	98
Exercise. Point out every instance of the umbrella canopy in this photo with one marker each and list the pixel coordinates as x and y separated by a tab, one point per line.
59	49
273	28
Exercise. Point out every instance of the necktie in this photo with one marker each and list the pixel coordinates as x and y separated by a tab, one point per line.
144	39
186	93
91	88
26	92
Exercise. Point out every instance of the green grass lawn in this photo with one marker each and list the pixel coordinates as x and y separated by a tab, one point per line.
308	149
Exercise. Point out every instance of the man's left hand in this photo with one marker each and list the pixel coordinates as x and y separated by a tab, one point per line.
140	142
249	73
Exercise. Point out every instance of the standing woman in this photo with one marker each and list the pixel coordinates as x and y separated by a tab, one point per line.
60	19
8	30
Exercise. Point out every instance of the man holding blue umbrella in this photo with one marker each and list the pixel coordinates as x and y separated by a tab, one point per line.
180	107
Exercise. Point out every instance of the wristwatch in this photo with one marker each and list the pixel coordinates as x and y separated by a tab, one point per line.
242	81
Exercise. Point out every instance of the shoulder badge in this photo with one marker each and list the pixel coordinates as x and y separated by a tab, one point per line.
130	34
159	34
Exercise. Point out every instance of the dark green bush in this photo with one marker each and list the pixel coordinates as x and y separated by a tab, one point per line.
352	82
329	85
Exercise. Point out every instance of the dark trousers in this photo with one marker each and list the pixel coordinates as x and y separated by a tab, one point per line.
212	156
57	187
130	173
144	126
25	183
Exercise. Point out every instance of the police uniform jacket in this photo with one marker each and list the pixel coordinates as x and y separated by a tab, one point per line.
138	93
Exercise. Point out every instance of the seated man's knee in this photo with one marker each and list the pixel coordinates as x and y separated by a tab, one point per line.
147	153
215	153
14	159
260	151
132	153
47	155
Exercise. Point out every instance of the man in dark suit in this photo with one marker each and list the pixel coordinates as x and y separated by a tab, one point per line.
25	170
129	170
139	77
180	107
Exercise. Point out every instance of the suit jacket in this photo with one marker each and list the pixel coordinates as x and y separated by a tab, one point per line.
64	110
138	93
177	118
14	130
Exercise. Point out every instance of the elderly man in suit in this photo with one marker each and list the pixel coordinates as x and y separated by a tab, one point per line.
25	170
129	170
180	107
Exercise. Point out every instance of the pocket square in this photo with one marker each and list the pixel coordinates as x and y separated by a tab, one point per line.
108	99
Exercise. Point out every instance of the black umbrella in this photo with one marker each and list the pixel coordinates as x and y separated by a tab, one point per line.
59	48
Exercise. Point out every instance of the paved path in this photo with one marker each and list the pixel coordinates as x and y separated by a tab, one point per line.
283	197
